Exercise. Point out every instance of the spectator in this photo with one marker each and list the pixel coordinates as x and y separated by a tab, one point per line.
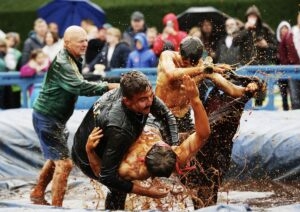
3	89
13	63
209	39
95	45
137	24
151	36
53	45
13	56
228	52
53	27
142	56
295	83
170	33
52	109
114	54
35	39
37	64
257	41
90	28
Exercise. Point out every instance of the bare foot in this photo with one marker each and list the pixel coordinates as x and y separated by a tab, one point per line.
38	199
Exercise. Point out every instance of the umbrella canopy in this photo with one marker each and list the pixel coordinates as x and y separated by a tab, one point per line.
71	12
193	16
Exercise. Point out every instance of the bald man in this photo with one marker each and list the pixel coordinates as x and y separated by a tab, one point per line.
54	106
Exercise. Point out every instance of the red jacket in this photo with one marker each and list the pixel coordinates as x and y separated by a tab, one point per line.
287	51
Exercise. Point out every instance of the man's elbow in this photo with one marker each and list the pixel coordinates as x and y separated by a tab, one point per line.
205	134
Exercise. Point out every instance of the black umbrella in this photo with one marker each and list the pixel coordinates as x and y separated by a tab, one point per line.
193	16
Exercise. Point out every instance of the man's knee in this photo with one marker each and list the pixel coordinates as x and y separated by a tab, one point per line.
64	166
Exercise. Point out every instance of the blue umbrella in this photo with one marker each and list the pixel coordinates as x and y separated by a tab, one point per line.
71	12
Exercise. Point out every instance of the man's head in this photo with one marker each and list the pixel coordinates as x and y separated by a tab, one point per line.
137	21
137	92
40	27
191	49
160	160
75	40
231	26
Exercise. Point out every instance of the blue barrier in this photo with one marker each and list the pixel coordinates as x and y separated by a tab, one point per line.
270	74
13	78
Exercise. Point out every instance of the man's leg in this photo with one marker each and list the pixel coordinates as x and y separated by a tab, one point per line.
115	200
37	195
60	179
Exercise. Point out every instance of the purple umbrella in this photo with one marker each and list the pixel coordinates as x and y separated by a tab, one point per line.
71	12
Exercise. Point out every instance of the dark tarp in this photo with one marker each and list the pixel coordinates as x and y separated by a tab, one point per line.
267	143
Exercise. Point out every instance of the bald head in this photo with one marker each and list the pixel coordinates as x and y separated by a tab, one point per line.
75	40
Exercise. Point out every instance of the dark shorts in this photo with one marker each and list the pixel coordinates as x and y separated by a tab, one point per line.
53	136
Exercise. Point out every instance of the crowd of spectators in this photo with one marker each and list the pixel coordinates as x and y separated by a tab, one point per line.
250	41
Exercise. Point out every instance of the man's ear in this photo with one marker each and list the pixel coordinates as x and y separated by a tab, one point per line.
126	101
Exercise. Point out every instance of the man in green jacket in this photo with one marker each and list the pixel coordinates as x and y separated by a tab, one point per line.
53	108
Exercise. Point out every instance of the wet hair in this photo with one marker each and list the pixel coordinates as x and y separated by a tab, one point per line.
134	82
191	48
160	160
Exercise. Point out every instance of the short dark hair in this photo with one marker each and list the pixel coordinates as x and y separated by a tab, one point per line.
191	48
134	82
160	160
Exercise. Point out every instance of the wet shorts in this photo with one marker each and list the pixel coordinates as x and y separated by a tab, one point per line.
53	136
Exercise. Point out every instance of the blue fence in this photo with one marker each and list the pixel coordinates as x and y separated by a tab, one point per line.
270	74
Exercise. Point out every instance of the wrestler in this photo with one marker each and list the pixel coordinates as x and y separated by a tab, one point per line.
150	156
173	65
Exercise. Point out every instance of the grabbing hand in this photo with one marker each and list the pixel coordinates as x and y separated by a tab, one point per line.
94	139
190	87
251	87
158	191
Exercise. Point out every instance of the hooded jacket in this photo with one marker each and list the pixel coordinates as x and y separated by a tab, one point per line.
247	39
287	53
31	43
144	57
158	45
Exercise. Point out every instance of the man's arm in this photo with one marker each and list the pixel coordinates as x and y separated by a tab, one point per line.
195	141
117	145
173	72
162	113
92	142
228	87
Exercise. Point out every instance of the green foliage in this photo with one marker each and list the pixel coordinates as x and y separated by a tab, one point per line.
18	15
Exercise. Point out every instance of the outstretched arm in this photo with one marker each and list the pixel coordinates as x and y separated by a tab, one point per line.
230	88
195	141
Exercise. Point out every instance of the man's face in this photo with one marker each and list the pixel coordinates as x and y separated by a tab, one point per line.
137	25
77	44
141	102
41	29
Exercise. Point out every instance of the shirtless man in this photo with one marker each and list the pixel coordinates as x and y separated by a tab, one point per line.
173	65
150	156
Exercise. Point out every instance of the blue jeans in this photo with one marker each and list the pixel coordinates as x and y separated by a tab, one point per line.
53	136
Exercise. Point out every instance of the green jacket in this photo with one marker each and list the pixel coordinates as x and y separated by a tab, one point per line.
62	85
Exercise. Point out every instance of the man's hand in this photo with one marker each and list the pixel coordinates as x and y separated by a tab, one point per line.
154	191
93	139
113	85
190	87
252	87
